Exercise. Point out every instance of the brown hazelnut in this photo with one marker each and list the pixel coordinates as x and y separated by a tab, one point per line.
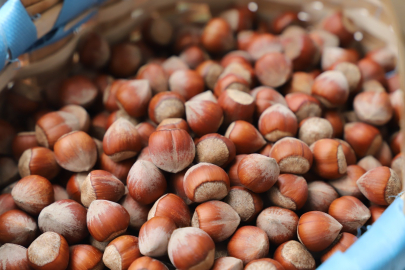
94	52
200	249
76	151
146	183
166	105
292	255
352	74
331	89
73	187
245	136
313	129
7	203
173	64
380	185
49	251
340	25
217	36
244	38
118	169
210	72
239	18
323	38
14	257
292	156
290	192
125	59
261	44
320	196
85	257
301	50
345	241
66	217
280	224
371	70
273	69
173	207
376	211
17	227
246	203
231	81
186	83
33	193
249	243
215	149
121	252
333	55
133	96
363	138
109	100
193	56
138	213
203	116
369	163
155	75
23	141
39	161
337	121
329	159
301	82
236	105
263	264
227	263
172	123
146	262
78	90
303	105
265	97
373	107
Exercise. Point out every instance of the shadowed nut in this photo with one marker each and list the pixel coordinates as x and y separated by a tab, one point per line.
320	196
246	203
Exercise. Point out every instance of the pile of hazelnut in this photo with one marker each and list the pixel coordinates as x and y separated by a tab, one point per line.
208	147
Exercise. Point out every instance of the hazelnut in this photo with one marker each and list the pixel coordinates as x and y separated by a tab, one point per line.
273	69
333	55
85	257
301	50
207	95
76	151
155	75
263	264
114	116
352	74
261	44
205	181
313	129
345	241
177	186
346	185
101	185
172	123
317	230
109	100
329	159
233	170
396	142
279	224
125	59
186	83
39	161
17	227
81	114
33	193
173	207
350	212
191	248
122	140
385	57
245	136
290	192
320	196
106	220
49	251
166	105
249	243
98	245
301	82
373	107
158	31
78	90
23	141
292	255
14	257
283	20
144	155
231	81
215	149
146	262
7	203
60	193
145	129
50	127
380	185
323	38
292	156
227	263
145	182
258	173
204	116
265	97
118	169
331	89
371	70
246	203
244	38
99	125
341	26
210	72
154	236
265	151
65	217
193	56
133	96
277	122
138	213
121	252
172	64
373	86
337	121
94	51
73	187
171	150
236	105
369	163
303	105
217	36
363	138
397	165
240	68
397	103
239	18
217	219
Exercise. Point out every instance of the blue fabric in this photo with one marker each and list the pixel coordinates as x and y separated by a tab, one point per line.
71	9
382	247
17	31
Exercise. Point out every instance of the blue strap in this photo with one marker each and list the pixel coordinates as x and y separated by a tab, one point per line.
17	31
381	247
72	8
